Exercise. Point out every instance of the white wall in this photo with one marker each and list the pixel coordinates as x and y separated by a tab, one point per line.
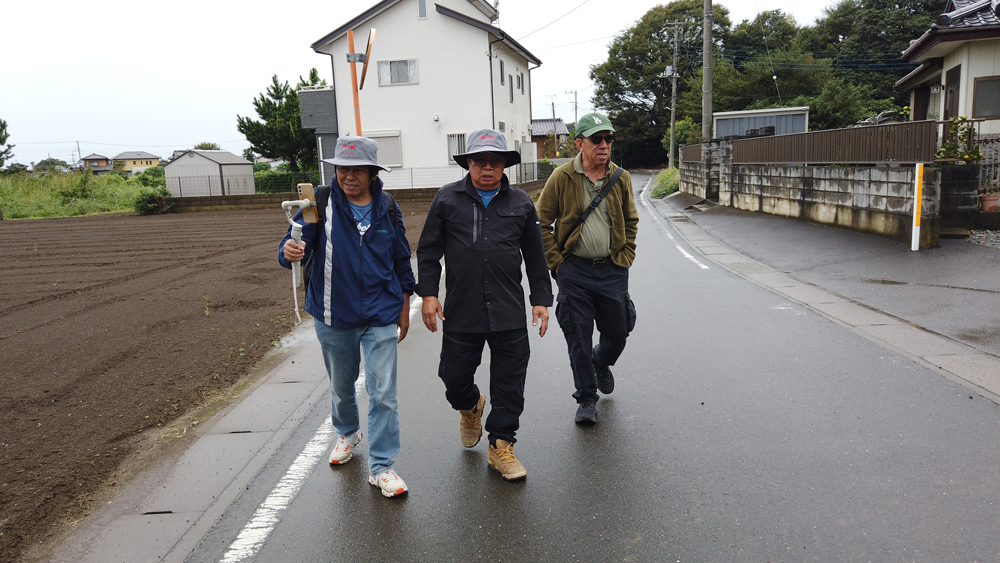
238	179
453	69
978	59
984	60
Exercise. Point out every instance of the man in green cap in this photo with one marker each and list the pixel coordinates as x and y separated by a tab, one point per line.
589	249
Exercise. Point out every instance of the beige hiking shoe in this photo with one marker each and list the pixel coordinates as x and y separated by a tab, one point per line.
470	428
502	459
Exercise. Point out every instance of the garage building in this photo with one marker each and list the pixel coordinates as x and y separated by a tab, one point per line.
205	173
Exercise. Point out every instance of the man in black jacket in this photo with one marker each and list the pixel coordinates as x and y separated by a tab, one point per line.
483	227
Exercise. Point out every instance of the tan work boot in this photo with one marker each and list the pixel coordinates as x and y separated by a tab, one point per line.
502	459
470	428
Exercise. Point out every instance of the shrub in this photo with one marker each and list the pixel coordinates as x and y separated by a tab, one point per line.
545	168
152	177
153	200
274	182
667	182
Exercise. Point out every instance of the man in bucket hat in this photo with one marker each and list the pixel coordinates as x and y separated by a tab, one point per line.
591	258
484	227
357	237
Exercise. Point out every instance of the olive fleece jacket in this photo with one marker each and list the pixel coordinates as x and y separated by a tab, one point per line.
562	202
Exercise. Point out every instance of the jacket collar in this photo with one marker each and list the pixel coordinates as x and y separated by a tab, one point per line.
466	185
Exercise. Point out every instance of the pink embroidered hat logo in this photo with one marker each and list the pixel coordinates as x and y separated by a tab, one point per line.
487	140
355	151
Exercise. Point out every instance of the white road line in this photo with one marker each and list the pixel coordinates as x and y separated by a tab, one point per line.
654	213
268	514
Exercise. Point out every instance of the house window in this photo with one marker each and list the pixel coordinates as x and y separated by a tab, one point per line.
518	81
986	99
390	150
503	126
501	73
952	80
456	145
521	82
397	72
422	9
511	85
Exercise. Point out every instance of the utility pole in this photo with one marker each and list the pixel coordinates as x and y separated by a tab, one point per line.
706	85
575	118
555	136
674	27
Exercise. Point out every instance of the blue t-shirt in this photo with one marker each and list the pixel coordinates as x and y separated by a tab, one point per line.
362	215
487	195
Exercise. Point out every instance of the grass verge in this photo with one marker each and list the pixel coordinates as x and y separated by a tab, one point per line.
667	182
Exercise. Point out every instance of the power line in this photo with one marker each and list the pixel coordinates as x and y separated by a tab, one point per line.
554	21
573	44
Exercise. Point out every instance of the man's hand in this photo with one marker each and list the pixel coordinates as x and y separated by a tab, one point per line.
404	318
431	311
540	313
294	252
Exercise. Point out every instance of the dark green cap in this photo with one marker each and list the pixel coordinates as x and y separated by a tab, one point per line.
592	123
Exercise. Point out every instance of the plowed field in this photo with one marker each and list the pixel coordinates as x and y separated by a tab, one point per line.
113	326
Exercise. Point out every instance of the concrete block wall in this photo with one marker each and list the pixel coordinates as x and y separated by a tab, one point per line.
874	199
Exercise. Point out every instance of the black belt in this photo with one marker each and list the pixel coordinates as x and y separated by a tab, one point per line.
590	262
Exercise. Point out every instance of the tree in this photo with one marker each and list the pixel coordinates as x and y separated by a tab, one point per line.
279	134
754	86
51	165
687	133
870	34
5	149
770	32
207	146
249	155
630	84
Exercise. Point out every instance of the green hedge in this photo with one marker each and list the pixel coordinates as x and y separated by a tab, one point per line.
273	182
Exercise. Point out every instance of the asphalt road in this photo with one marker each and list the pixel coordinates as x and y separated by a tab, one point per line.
744	426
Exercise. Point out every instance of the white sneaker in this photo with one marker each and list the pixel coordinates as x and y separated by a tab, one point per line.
343	451
390	483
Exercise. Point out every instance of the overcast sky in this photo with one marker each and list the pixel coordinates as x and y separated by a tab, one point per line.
114	76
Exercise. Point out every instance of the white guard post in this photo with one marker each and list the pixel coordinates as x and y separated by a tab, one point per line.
918	196
297	237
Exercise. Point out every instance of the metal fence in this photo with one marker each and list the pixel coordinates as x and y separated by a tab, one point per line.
990	146
911	142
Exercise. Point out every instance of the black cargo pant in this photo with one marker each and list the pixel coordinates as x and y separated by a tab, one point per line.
461	354
593	291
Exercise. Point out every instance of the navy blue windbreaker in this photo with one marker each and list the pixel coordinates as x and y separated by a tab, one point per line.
355	280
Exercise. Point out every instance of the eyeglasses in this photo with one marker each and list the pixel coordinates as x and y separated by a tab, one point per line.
597	139
493	161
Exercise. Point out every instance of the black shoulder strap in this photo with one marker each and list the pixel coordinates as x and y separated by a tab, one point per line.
593	205
391	202
322	197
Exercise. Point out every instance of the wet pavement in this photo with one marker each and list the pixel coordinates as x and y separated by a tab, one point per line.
790	393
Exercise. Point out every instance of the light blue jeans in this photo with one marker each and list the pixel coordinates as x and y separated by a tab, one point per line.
342	356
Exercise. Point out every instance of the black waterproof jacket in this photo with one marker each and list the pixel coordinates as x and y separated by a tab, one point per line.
483	249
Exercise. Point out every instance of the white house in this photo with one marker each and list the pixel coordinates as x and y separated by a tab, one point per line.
204	173
438	70
959	72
